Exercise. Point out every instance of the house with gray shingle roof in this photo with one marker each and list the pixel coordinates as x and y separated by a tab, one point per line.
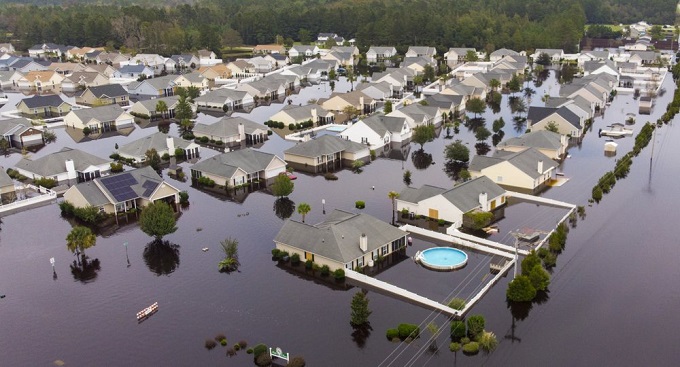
343	240
162	86
417	115
79	80
562	118
7	190
239	167
437	203
379	131
19	132
381	54
326	153
106	94
50	105
162	143
501	53
100	119
123	191
180	62
224	100
233	131
456	55
549	143
291	114
528	170
134	71
65	166
148	107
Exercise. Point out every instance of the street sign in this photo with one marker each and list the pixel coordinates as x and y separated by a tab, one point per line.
278	353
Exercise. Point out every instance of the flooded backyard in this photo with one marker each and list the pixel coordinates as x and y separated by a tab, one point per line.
613	286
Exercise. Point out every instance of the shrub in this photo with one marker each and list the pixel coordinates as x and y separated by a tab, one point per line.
488	341
408	330
454	347
66	207
236	346
325	271
116	167
475	326
372	154
471	348
204	139
458	330
183	197
219	142
259	350
441	222
360	204
309	264
597	193
479	219
231	352
283	255
243	344
550	260
205	181
297	361
87	131
295	259
539	278
220	337
464	340
210	344
457	303
45	182
165	157
223	342
392	333
529	262
404	213
520	289
275	253
263	360
339	274
88	214
291	127
249	351
330	176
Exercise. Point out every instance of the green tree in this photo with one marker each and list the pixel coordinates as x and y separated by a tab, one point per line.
79	239
458	330
488	341
231	38
183	110
471	56
428	73
457	152
157	220
304	36
351	111
543	59
388	107
282	186
161	108
529	262
464	175
423	134
475	105
552	126
515	84
185	126
539	278
520	289
303	209
153	159
656	32
230	249
360	311
482	133
475	326
193	92
4	146
393	195
498	125
494	84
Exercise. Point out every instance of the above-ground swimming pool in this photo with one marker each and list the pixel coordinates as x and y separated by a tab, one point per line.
442	258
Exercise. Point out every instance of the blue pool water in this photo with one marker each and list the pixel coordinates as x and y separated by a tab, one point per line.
443	258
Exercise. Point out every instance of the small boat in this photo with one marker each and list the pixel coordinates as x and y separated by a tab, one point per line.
204	249
143	314
616	130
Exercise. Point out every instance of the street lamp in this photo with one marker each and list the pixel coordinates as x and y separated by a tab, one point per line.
126	254
323	205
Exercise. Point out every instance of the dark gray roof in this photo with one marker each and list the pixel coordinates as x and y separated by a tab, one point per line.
14	126
304	112
444	100
540	139
537	114
107	90
323	145
55	163
224	165
337	238
50	100
138	183
526	161
221	96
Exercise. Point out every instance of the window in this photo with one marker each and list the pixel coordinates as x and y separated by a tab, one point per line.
360	261
385	249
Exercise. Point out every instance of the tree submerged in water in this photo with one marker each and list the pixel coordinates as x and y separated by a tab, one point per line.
230	262
161	257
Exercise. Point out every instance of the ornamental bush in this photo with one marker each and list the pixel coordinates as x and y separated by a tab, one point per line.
475	326
521	289
458	330
360	204
392	333
408	330
471	348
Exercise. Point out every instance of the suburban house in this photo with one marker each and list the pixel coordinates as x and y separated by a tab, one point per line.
379	54
450	205
357	99
262	65
457	55
47	49
277	59
181	62
105	69
19	132
124	191
528	170
9	78
78	53
41	81
422	51
326	153
7	190
154	61
194	79
343	241
555	54
241	68
7	48
100	119
79	80
269	49
65	68
340	58
207	57
162	86
162	143
233	131
379	131
578	105
417	115
501	53
643	57
213	72
380	91
148	107
65	166
43	106
305	52
547	142
448	102
265	89
291	114
239	167
322	38
134	71
110	58
106	94
566	121
401	79
224	100
418	64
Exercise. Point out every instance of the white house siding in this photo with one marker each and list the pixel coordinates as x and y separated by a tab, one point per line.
563	127
362	134
275	167
506	174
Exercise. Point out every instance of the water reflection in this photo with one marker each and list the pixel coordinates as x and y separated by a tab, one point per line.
84	270
284	207
453	168
360	334
482	148
421	160
162	257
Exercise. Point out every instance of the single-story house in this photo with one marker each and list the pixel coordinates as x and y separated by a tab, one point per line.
148	107
212	72
457	55
303	51
357	99
343	241
501	53
421	51
162	143
566	121
106	94
181	62
121	192
437	203
65	166
99	119
233	131
162	86
239	167
528	170
380	54
134	71
417	115
79	80
41	81
326	153
547	142
7	189
192	80
555	54
379	91
269	49
291	114
154	61
9	78
19	132
224	100
43	106
379	131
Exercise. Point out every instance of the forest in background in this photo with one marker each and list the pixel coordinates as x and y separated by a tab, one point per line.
177	26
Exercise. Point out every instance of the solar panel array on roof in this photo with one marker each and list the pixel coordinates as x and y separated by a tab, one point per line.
150	186
120	186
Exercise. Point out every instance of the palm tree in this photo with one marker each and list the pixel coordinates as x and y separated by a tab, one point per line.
393	195
79	239
303	209
494	84
161	107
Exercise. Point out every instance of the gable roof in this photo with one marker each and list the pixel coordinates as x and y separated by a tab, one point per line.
537	114
49	100
54	164
337	237
526	161
540	139
226	164
228	126
14	126
465	196
221	96
413	195
120	187
382	124
106	90
157	141
101	113
304	112
325	144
